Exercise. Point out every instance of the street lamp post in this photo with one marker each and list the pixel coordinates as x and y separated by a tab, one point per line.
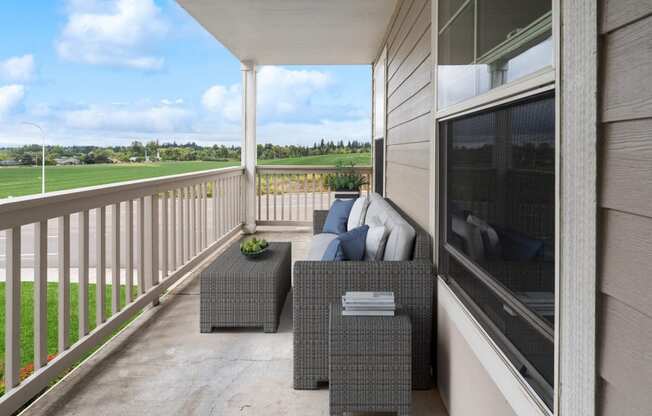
27	123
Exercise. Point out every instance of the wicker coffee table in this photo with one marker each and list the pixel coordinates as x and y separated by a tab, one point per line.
240	291
370	368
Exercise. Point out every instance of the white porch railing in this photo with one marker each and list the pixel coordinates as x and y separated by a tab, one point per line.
158	230
287	195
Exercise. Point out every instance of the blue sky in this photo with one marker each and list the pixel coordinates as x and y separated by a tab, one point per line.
105	72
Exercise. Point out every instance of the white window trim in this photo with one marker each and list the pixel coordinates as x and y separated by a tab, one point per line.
518	393
577	124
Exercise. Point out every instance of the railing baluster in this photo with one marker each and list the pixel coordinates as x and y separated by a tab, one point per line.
290	189
216	234
64	282
275	191
185	221
164	235
12	307
151	247
40	294
129	250
314	181
305	196
259	202
267	180
174	249
197	210
283	188
100	274
230	202
234	203
115	248
241	194
191	225
84	245
200	219
204	215
141	245
222	207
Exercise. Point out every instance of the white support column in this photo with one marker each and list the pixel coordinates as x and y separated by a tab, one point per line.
249	153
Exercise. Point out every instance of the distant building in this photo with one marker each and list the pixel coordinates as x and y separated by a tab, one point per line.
9	162
67	161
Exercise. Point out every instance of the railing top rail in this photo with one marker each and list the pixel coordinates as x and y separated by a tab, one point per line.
33	208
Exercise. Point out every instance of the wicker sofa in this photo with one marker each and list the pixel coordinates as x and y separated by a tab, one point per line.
319	283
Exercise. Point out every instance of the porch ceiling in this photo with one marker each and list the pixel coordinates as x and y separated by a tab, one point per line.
301	32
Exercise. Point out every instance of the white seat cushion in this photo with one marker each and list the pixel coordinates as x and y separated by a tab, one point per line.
319	244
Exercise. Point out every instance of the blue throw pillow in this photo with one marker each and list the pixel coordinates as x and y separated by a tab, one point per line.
338	216
353	243
333	251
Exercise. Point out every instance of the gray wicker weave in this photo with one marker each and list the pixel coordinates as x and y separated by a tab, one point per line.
239	291
370	363
317	284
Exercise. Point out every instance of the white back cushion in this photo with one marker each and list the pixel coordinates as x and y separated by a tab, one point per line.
358	212
400	240
376	240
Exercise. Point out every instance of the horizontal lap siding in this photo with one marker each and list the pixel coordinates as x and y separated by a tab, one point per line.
409	106
625	273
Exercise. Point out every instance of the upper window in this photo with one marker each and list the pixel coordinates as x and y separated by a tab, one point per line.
498	228
487	43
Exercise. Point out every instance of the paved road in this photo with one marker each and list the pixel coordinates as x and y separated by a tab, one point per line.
287	206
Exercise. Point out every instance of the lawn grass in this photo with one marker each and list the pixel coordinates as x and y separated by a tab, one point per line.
360	159
20	181
26	180
27	318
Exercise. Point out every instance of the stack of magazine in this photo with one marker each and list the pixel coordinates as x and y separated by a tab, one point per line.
368	304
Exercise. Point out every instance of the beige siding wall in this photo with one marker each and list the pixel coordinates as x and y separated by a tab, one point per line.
409	105
463	383
624	338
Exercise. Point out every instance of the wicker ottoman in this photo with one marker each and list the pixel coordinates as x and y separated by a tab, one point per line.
370	363
240	291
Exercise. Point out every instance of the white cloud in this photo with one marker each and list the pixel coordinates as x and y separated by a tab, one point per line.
10	97
17	68
158	119
226	101
115	33
167	101
282	94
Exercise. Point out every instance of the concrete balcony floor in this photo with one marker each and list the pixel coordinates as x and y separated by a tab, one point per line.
162	365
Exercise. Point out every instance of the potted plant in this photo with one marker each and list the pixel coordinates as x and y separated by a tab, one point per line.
346	181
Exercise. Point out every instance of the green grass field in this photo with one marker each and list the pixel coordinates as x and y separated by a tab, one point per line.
360	159
19	181
27	318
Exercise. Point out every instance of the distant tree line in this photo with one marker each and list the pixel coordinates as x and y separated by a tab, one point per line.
172	151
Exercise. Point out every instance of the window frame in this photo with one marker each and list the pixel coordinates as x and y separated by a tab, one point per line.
489	353
498	289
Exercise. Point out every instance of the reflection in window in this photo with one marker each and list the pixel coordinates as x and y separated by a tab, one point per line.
499	239
486	43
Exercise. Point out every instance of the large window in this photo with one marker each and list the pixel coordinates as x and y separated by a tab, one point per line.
498	227
483	44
